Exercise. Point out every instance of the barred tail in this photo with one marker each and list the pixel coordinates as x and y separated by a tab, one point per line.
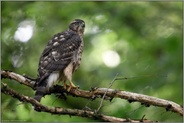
40	91
40	87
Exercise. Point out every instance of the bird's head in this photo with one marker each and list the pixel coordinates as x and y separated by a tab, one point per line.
78	26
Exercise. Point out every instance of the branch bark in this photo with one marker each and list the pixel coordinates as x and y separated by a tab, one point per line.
94	93
65	111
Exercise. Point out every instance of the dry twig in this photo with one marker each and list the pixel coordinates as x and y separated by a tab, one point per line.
111	83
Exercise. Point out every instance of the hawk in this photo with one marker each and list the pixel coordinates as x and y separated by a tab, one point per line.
61	57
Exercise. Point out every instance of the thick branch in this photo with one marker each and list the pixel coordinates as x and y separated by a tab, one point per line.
65	111
130	96
99	93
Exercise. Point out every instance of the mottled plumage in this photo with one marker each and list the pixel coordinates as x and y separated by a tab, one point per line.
60	58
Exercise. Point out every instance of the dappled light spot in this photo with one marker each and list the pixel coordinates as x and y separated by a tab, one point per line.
95	29
25	31
17	60
101	18
111	58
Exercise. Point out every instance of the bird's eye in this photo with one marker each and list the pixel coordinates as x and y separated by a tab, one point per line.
83	25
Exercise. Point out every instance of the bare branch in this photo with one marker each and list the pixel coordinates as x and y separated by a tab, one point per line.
99	93
65	111
19	78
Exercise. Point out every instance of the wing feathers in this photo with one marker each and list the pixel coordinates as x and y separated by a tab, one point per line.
59	52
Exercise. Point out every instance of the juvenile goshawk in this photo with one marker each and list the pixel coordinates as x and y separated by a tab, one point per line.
60	58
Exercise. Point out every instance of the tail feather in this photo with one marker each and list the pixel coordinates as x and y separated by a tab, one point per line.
40	88
40	91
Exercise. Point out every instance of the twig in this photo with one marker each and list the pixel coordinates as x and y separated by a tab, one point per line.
111	83
134	77
65	111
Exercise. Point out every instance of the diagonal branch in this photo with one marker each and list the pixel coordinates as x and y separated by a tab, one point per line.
65	111
106	92
99	93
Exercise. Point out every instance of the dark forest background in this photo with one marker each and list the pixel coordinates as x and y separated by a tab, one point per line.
141	41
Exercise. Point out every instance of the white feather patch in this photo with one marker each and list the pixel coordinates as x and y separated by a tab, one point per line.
52	79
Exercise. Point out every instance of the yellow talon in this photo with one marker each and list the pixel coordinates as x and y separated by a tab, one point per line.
72	86
65	85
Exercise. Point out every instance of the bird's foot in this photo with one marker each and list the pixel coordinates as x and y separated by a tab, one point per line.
65	85
72	86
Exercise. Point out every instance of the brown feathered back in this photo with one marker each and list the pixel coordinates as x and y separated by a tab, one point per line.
61	57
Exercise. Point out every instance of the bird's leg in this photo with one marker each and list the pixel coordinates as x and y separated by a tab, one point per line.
65	85
68	74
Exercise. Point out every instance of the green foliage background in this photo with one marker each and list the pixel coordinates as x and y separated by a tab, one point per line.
146	35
